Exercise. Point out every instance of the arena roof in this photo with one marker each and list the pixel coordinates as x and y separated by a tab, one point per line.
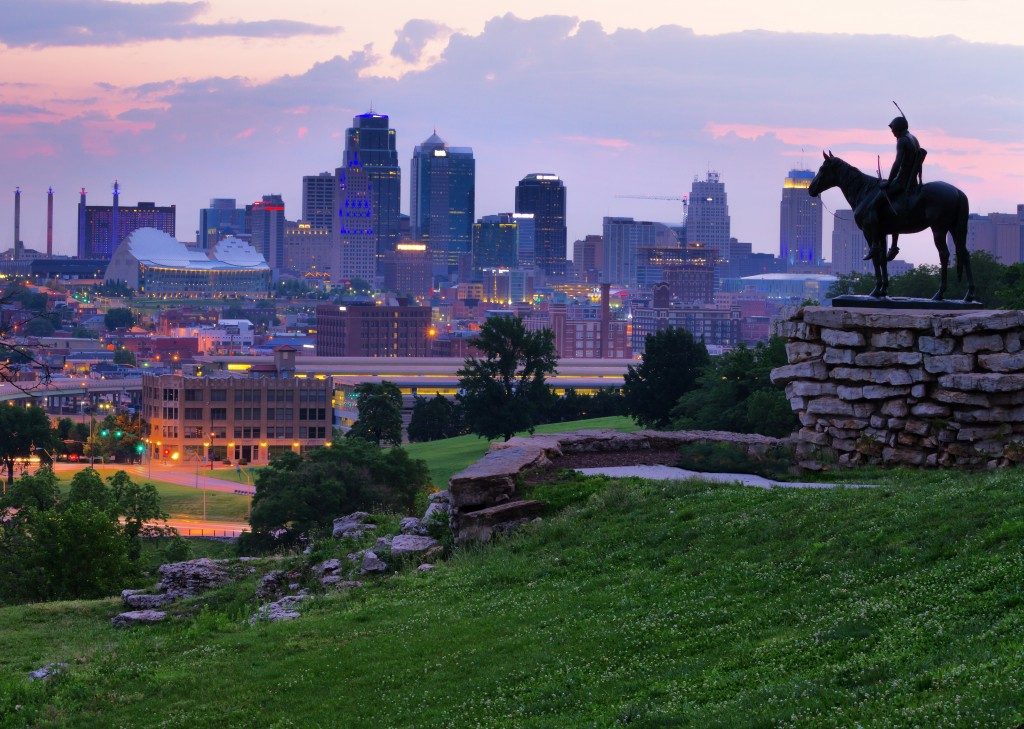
152	247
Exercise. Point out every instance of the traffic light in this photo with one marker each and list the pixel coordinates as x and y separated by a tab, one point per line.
104	433
118	433
140	448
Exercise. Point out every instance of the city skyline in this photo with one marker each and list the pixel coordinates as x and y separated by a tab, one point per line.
188	139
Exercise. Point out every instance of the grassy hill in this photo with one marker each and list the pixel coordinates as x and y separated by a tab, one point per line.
640	603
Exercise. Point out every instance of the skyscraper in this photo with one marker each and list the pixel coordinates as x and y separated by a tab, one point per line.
543	195
221	220
318	200
496	242
441	205
101	228
848	246
266	223
622	240
526	238
799	221
367	197
707	221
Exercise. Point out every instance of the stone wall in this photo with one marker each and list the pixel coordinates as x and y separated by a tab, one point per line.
915	387
485	498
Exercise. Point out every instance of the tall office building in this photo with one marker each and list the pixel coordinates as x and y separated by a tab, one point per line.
848	246
526	239
308	251
999	234
101	228
707	221
496	242
367	197
318	200
441	205
799	221
623	238
266	224
223	219
588	258
544	195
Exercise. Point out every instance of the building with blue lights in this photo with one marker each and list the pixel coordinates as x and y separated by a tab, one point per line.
442	199
799	221
101	228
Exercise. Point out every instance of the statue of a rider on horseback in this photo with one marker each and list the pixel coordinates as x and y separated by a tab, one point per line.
901	204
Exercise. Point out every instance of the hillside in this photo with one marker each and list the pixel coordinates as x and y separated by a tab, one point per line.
652	604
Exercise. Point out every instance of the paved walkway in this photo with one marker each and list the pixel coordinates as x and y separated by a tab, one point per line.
669	473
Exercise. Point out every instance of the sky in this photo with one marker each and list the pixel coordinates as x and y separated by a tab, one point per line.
186	101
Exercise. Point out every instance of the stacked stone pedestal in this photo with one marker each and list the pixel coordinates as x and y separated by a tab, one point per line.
915	387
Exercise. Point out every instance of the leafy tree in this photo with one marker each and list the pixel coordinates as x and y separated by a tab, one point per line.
735	393
434	418
38	491
506	391
82	332
379	413
672	361
124	356
116	437
308	491
87	487
39	326
23	429
137	506
119	318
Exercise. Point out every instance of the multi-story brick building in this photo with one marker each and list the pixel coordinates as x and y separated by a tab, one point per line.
367	330
245	416
715	325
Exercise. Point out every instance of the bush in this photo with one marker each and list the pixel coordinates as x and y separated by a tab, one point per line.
776	463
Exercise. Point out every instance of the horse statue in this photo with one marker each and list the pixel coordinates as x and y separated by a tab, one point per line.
935	205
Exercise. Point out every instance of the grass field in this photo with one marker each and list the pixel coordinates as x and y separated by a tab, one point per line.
185	501
648	604
247	476
445	457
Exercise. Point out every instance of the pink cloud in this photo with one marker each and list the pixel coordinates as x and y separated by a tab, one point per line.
302	132
612	143
245	133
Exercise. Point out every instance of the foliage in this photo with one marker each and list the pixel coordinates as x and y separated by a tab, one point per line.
114	289
506	391
734	392
137	506
39	491
775	463
573	406
88	487
39	326
117	438
435	418
307	492
997	285
672	361
124	356
670	604
23	429
83	332
118	318
379	418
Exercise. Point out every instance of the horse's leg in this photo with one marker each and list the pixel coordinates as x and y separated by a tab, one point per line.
943	249
877	246
883	264
894	250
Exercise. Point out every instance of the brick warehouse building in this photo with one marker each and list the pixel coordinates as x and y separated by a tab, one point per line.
367	330
245	416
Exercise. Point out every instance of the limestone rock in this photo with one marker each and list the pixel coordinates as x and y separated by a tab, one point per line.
948	363
138	600
372	563
936	345
893	377
881	392
968	322
983	382
1002	362
840	338
270	584
137	617
835	356
800	371
482	525
893	340
810	389
351	526
186	579
802	351
47	671
796	330
412	525
888	359
930	410
283	609
829	406
425	567
405	544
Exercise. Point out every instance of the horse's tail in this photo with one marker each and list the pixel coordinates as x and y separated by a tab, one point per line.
959	231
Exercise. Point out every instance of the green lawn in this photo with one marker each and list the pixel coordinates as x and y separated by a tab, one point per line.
649	604
247	476
445	457
185	501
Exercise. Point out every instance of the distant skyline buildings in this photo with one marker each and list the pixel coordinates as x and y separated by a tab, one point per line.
707	221
442	194
544	195
223	218
318	200
622	240
800	218
496	242
848	246
101	228
265	222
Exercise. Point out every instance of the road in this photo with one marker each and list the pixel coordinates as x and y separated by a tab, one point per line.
181	476
201	528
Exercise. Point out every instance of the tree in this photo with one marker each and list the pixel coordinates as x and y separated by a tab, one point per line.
379	413
87	487
37	491
672	361
308	491
116	438
124	356
23	429
137	506
119	318
434	418
735	393
506	391
40	326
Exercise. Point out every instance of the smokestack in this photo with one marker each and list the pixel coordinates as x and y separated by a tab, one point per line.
114	220
81	224
49	223
17	223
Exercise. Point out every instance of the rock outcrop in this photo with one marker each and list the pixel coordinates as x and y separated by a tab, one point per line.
138	617
352	526
912	387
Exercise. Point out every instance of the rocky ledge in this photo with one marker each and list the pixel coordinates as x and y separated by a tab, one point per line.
922	388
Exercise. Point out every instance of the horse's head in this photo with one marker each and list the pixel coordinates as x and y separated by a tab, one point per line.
827	175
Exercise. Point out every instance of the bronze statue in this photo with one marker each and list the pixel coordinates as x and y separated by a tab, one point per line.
901	204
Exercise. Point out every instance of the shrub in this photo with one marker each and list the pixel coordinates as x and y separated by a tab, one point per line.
775	463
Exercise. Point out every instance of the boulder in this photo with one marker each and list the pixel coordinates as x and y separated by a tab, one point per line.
382	543
138	600
351	526
337	583
138	617
412	525
425	567
372	563
328	566
481	525
270	584
186	579
45	673
283	609
405	544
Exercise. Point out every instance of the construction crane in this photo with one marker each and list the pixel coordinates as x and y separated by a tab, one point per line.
674	198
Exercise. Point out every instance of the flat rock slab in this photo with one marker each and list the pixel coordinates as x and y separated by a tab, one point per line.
138	617
412	544
670	473
904	302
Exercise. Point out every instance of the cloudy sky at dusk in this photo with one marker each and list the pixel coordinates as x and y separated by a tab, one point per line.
184	101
